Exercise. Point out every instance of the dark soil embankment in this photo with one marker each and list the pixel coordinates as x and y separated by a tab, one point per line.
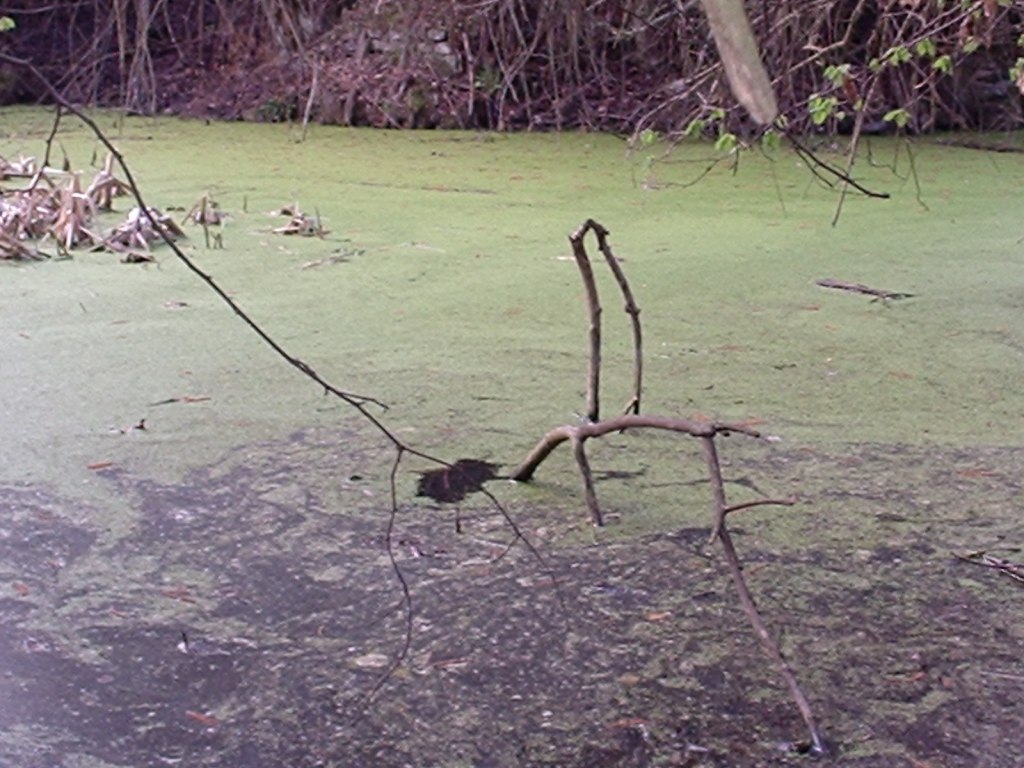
608	65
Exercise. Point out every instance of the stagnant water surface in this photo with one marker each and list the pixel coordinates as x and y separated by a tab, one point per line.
231	586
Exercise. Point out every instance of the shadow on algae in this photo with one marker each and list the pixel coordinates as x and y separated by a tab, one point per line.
216	590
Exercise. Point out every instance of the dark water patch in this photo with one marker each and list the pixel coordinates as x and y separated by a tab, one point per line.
632	651
130	709
229	507
38	539
454	483
277	593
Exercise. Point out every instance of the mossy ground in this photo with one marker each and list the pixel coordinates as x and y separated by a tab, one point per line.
254	521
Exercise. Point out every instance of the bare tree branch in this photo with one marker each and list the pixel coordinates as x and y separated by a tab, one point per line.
705	431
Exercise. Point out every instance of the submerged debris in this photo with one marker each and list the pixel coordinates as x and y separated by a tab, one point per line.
454	483
105	186
23	167
75	210
44	211
138	231
300	223
206	212
25	215
13	249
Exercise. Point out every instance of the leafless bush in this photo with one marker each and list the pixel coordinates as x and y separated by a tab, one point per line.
621	65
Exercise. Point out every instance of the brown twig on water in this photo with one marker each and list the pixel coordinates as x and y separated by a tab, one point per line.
1014	570
878	293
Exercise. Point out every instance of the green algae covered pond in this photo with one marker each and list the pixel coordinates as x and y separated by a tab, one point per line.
216	589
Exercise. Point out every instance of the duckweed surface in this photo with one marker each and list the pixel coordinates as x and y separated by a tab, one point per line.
217	590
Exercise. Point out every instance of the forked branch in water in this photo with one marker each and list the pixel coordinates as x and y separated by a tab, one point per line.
705	431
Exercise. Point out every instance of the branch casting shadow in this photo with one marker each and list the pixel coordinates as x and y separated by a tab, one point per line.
594	427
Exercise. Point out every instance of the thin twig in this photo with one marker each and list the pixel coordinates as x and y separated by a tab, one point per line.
310	100
815	163
858	126
747	599
403	651
758	503
53	133
587	477
913	173
1014	570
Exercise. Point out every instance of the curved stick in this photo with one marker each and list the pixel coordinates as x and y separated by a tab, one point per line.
631	308
558	435
579	252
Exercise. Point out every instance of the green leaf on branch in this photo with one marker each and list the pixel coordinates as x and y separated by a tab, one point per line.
898	54
898	117
926	48
6	24
837	74
944	64
726	142
695	129
1017	74
822	108
648	137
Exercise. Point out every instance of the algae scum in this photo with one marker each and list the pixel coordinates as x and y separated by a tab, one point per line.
216	589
